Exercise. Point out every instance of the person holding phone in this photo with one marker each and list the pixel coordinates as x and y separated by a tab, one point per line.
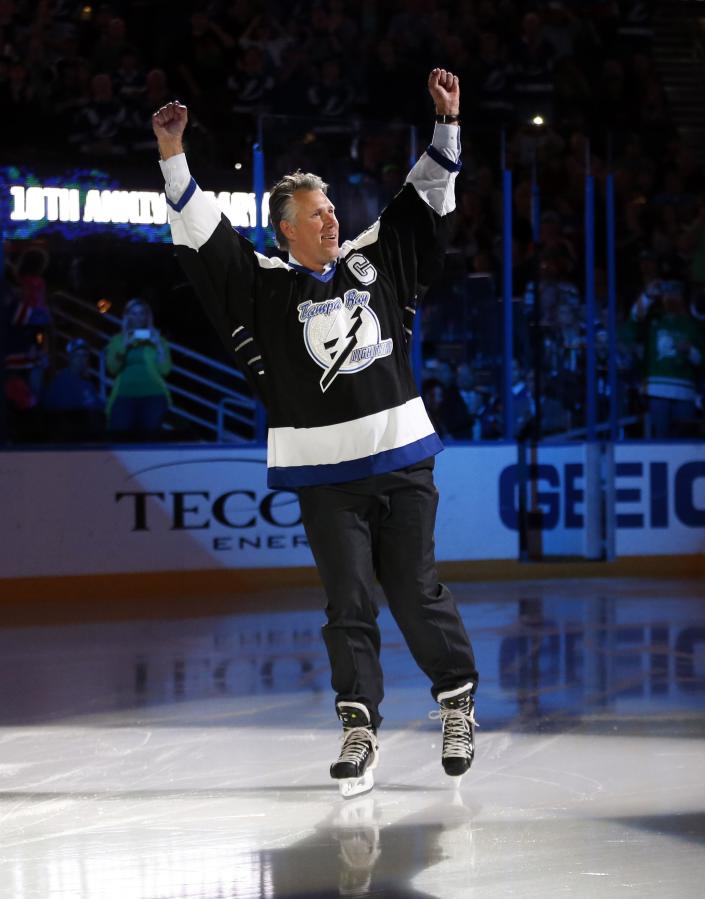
139	359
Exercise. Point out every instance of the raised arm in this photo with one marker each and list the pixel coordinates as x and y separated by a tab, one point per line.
434	174
414	229
220	264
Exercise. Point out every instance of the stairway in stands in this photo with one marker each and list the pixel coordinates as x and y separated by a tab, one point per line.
679	50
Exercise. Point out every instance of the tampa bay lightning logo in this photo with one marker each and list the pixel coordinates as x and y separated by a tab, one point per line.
343	336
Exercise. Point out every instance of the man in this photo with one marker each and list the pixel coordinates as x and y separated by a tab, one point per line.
324	337
75	411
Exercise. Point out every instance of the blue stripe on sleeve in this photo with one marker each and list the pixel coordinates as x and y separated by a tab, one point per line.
438	157
185	196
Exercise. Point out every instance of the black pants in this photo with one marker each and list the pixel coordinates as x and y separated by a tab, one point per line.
381	528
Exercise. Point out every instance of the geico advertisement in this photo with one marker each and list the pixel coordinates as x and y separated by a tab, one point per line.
658	499
91	512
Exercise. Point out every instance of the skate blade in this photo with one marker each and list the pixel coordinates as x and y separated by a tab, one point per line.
354	786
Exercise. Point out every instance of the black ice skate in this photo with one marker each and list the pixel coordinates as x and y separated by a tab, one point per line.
359	752
457	717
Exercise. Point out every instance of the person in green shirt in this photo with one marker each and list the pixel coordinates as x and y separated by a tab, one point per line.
138	358
675	350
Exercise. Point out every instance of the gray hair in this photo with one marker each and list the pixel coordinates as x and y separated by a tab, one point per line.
281	196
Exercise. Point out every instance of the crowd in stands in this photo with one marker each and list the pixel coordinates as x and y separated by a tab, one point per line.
69	400
560	87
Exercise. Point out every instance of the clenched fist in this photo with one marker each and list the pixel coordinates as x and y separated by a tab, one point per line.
444	88
168	124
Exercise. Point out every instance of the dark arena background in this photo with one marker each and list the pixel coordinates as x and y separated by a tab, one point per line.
166	718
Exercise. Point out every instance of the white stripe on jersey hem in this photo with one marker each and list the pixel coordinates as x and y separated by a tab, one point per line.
349	440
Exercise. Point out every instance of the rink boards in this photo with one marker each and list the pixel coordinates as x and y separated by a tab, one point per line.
192	508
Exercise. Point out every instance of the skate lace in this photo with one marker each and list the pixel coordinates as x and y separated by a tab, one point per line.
457	729
356	743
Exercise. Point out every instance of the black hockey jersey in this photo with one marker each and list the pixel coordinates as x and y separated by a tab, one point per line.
328	352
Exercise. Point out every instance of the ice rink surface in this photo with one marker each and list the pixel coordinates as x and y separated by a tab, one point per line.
187	757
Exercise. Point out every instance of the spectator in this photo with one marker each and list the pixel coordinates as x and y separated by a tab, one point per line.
267	35
139	359
205	56
325	34
19	104
70	91
473	231
292	80
556	244
524	403
572	93
235	19
562	29
111	46
250	86
154	93
533	60
409	27
674	352
98	127
387	67
446	404
75	411
616	106
692	247
492	75
476	397
129	78
25	320
433	395
156	90
34	308
341	23
331	94
30	320
555	290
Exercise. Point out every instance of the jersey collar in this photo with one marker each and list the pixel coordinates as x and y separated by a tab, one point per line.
324	276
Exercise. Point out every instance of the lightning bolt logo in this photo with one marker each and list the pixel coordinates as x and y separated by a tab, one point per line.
330	373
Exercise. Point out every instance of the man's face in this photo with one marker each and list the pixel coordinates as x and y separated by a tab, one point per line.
136	317
313	231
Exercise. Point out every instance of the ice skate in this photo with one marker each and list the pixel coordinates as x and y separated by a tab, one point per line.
457	718
359	752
